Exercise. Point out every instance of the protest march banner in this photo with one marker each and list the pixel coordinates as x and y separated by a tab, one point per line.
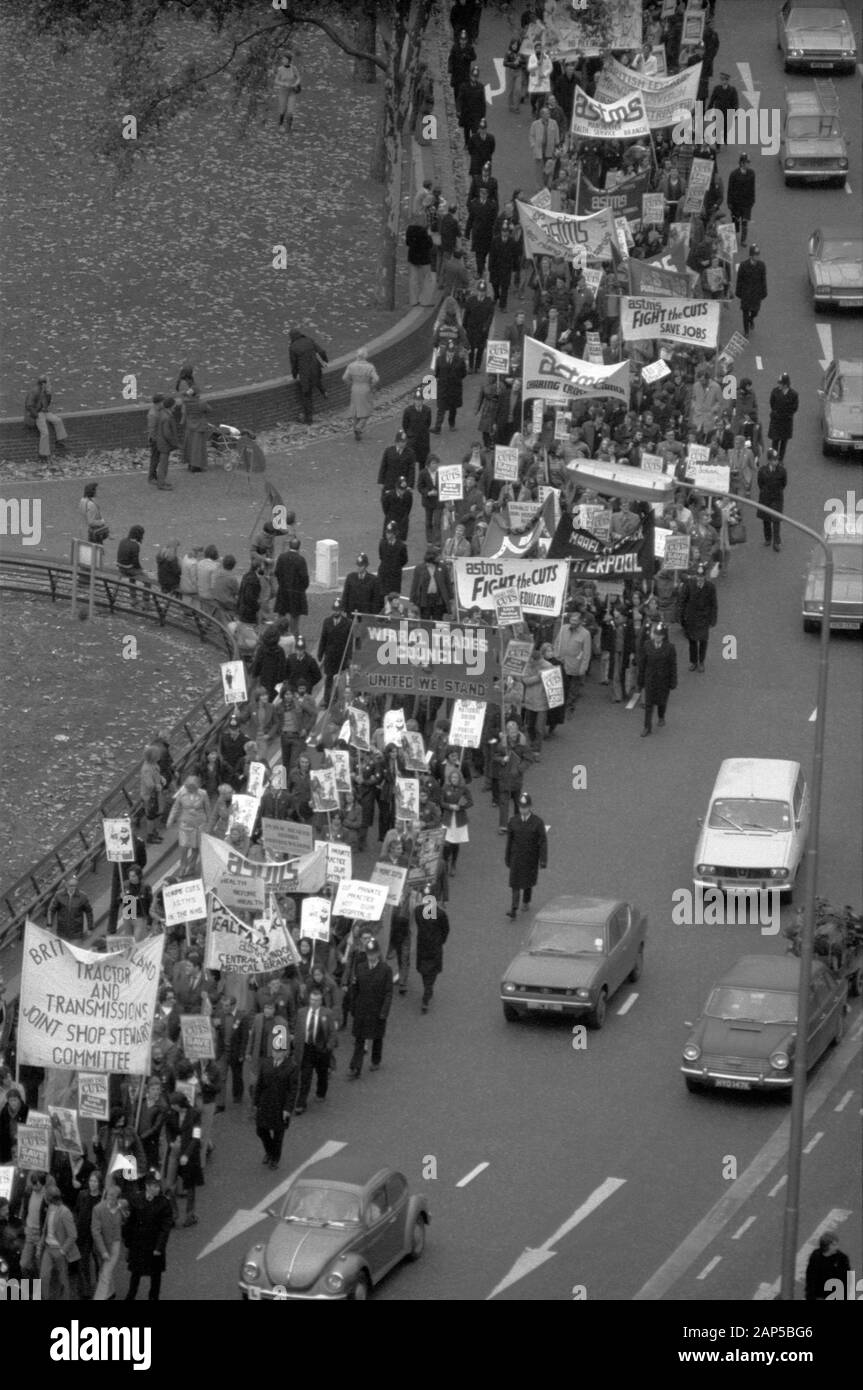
521	514
575	36
465	730
696	455
553	376
218	859
549	233
497	355
286	839
655	371
118	943
671	320
450	482
516	657
666	99
414	751
552	681
412	656
231	945
677	553
593	517
593	347
241	893
700	175
360	728
727	235
622	200
339	760
712	477
646	277
542	199
733	348
184	902
257	780
234	682
34	1149
64	1127
541	583
592	276
243	812
407	804
652	463
624	119
338	860
119	846
197	1032
395	725
660	540
507	607
325	793
592	558
92	1096
653	209
562	424
393	877
692	35
505	464
315	916
82	1010
426	856
357	898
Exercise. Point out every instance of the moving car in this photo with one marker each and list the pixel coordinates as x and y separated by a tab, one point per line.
835	261
745	1038
846	600
754	835
343	1224
577	954
842	407
813	149
816	38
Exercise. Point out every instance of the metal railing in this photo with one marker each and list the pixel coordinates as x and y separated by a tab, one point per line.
83	846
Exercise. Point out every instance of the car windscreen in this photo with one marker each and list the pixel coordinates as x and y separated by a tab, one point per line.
321	1205
749	813
841	249
847	387
565	939
812	127
847	559
753	1005
816	19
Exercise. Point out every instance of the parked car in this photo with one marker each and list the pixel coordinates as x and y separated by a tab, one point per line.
841	395
835	261
754	834
846	600
816	38
813	148
578	953
343	1224
747	1033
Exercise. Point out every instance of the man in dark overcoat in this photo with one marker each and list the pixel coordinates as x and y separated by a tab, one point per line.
772	479
698	613
371	998
306	369
292	577
476	322
526	852
362	592
751	287
784	403
741	196
274	1096
398	461
450	372
416	423
657	675
432	924
146	1235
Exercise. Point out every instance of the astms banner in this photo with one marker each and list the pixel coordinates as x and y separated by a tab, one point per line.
218	859
666	99
625	119
548	233
623	200
409	656
552	376
541	584
672	320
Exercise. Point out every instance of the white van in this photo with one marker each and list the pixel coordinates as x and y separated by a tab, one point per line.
754	834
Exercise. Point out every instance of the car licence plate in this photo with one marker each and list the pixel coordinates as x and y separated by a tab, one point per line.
843	623
549	1008
820	66
734	1085
254	1294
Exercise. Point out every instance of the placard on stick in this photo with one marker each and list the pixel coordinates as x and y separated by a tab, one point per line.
197	1037
466	723
497	355
184	902
234	682
119	842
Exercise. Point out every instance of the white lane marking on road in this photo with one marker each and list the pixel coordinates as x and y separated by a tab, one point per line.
750	1220
710	1267
767	1292
813	716
825	338
627	1005
843	1102
474	1173
243	1219
777	1187
492	92
816	1139
759	364
749	91
729	1204
848	188
531	1259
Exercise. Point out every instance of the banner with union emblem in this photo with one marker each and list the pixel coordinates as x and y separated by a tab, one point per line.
624	119
552	376
548	233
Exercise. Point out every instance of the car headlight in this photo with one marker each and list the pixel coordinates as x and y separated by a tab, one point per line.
790	163
334	1281
779	1061
706	868
815	607
843	163
795	53
582	994
508	987
840	434
250	1271
778	873
691	1052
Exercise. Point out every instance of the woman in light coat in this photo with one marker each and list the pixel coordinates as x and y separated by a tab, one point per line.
363	381
190	811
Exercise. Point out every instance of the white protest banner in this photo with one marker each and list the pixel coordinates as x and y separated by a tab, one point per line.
497	355
394	727
593	347
189	1089
325	793
727	239
257	779
548	233
692	35
693	321
407	805
507	607
696	454
542	199
244	812
624	119
521	514
465	730
735	345
40	1119
315	916
589	515
360	728
108	1001
620	235
545	491
652	209
712	477
450	482
92	1096
505	464
234	682
339	863
562	425
119	845
554	376
660	540
357	898
340	761
666	99
234	947
64	1127
197	1034
677	553
622	225
541	583
393	877
700	175
184	902
241	893
552	681
592	277
7	1180
652	463
34	1149
655	371
286	839
516	657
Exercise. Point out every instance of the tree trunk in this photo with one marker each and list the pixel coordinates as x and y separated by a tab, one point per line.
365	37
378	160
391	210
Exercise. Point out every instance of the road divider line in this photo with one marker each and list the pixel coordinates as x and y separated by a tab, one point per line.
531	1259
627	1005
777	1187
750	1221
825	338
474	1173
759	364
767	1292
816	1139
814	715
843	1102
848	188
708	1269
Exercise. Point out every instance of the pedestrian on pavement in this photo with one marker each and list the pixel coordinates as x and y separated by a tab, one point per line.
751	288
461	58
307	360
432	924
364	381
274	1096
292	578
39	415
431	590
362	592
129	564
428	491
94	526
58	1249
826	1265
70	914
393	556
421	279
450	371
370	1003
741	196
167	440
723	100
456	801
184	1157
539	69
397	503
772	481
526	852
146	1234
314	1041
509	760
398	461
698	614
657	675
784	403
196	427
190	810
287	86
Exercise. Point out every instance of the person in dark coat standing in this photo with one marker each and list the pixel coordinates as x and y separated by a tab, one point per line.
470	104
751	288
657	675
825	1264
397	503
772	480
398	461
362	592
476	322
393	556
698	613
431	591
784	403
274	1096
480	148
723	99
416	424
462	57
502	260
481	217
70	913
306	369
432	924
316	1036
526	852
450	371
371	998
334	646
741	196
146	1235
268	664
292	577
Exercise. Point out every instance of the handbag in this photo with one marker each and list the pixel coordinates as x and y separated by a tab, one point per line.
737	533
98	533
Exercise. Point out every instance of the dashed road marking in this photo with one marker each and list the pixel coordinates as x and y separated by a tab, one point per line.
627	1005
750	1221
759	364
768	1292
474	1173
814	715
708	1268
777	1187
531	1259
843	1102
816	1139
